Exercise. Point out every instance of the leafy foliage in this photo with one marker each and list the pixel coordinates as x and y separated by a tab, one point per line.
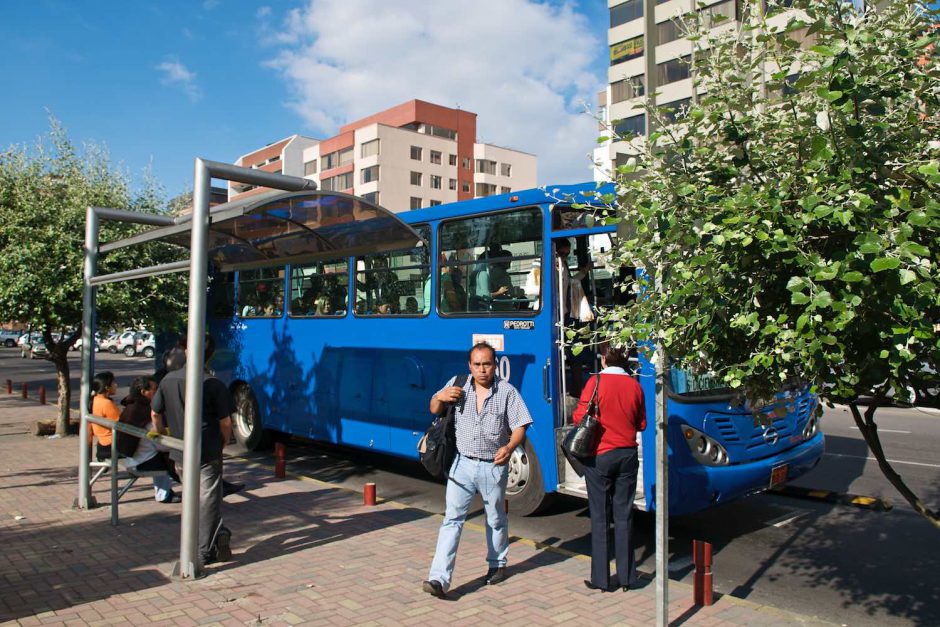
44	194
793	212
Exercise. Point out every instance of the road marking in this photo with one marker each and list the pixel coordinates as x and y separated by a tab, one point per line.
880	430
893	461
786	519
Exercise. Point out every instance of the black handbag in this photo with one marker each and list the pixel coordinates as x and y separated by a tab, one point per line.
438	447
581	441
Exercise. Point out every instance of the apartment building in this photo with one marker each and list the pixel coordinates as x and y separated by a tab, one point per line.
626	74
414	155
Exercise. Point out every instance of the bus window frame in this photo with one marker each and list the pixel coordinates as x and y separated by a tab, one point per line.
317	316
238	283
429	265
436	263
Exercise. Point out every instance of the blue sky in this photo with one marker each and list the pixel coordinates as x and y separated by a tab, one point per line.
162	82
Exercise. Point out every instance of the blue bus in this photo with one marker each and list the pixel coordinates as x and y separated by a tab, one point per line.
348	350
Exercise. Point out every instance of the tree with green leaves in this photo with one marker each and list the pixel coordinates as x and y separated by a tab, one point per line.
44	194
790	217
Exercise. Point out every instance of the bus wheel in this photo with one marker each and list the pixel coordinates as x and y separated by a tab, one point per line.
247	420
524	486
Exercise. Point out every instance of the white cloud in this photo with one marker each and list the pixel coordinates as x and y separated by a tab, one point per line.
524	67
263	11
177	74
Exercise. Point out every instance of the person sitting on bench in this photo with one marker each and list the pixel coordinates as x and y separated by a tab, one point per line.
103	387
143	454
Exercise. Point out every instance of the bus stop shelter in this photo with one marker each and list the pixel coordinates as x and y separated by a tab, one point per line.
296	223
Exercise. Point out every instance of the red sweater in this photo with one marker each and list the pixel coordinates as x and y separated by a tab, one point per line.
622	410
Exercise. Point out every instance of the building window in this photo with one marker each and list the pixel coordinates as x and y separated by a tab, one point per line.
465	186
435	182
721	13
628	88
370	174
452	184
626	50
416	178
436	157
485	166
337	158
673	70
451	159
634	125
505	169
485	189
626	12
675	109
435	203
415	203
466	163
372	197
310	168
669	31
370	148
337	183
416	153
504	190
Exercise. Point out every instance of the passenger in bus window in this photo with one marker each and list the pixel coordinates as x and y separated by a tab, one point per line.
411	305
490	421
490	281
533	284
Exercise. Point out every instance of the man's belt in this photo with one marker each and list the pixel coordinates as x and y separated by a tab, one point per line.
477	459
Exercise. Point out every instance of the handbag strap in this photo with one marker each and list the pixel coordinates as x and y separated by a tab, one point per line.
597	384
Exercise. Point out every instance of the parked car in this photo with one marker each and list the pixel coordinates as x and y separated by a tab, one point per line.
38	349
126	340
109	343
146	345
9	338
77	345
26	341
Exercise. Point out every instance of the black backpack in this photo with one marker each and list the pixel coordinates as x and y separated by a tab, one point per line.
438	447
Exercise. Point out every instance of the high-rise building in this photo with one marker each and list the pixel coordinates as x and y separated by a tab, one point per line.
416	154
626	74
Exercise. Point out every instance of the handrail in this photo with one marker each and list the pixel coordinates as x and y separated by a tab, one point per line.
165	440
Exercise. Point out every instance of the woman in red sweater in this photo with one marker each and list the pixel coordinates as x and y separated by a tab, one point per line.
611	475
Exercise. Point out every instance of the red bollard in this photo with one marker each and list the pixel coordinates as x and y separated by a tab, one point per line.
25	395
702	585
42	395
9	386
280	465
368	494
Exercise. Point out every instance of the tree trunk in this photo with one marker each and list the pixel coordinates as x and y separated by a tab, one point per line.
868	428
59	357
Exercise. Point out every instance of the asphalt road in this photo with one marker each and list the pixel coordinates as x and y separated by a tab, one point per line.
844	564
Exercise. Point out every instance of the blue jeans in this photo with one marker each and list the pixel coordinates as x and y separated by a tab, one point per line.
466	478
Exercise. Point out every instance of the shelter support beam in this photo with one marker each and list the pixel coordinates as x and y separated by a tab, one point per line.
141	273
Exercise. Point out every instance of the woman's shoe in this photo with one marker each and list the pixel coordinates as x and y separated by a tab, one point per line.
591	586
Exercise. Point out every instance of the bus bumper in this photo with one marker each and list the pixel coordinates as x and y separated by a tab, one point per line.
698	487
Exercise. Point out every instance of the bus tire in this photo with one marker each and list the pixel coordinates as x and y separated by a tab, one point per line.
246	421
524	488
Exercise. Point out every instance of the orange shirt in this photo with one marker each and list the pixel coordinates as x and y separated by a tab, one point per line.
103	407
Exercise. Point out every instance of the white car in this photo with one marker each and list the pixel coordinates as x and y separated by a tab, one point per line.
126	343
145	345
9	338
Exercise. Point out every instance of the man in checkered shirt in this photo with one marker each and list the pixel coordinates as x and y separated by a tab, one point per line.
491	420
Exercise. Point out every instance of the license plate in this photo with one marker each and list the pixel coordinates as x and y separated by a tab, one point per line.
778	475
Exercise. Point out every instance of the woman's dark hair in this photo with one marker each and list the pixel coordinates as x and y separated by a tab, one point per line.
102	382
615	356
138	386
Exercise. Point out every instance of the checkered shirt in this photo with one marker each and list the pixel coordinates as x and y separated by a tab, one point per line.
481	435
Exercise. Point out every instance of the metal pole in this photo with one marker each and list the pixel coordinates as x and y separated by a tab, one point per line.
190	565
88	355
650	41
142	273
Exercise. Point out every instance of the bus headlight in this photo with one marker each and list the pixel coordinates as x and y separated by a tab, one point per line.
812	426
705	450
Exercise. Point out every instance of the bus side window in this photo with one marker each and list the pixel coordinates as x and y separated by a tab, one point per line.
487	261
394	283
319	289
261	293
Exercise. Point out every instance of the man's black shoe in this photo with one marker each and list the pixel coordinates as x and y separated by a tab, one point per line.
173	498
590	586
229	488
223	548
434	588
495	575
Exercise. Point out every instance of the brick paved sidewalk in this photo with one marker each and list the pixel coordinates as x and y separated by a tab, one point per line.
305	552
